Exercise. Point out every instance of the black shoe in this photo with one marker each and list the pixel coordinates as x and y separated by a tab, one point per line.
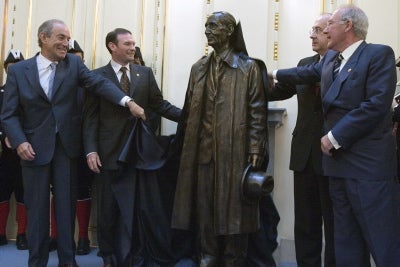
83	246
22	243
3	240
52	244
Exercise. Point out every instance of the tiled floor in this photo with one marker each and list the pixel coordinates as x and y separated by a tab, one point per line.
11	257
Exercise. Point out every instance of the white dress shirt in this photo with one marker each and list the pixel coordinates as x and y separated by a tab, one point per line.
44	69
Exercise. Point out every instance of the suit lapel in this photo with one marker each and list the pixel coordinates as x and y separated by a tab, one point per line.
337	85
327	74
61	73
135	76
109	73
32	76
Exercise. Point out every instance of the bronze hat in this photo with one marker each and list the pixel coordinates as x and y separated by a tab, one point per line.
255	184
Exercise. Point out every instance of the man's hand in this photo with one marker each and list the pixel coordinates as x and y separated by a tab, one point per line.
136	110
93	161
7	142
25	151
255	160
326	145
395	128
271	82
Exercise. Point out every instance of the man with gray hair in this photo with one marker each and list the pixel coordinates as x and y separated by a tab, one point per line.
313	215
358	82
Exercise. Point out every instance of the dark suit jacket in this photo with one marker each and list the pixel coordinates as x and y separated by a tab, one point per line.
106	129
106	126
28	115
357	109
306	141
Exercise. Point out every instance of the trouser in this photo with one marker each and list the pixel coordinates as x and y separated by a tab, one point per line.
61	172
313	213
367	220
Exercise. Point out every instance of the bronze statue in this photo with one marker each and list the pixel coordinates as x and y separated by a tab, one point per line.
225	128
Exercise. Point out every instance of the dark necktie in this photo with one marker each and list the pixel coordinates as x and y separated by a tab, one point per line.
125	84
336	66
51	80
218	71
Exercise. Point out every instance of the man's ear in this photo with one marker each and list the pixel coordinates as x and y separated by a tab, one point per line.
349	25
231	29
42	37
111	45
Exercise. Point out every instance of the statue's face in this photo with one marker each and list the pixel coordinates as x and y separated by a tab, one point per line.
217	32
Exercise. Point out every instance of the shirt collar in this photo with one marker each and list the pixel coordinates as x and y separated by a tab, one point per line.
43	62
116	66
348	52
229	57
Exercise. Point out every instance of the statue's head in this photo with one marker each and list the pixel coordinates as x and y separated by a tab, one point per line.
219	29
222	32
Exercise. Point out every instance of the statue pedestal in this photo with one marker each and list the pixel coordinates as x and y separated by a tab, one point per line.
275	118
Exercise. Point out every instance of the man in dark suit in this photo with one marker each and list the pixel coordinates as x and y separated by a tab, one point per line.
42	121
106	130
312	204
85	179
359	152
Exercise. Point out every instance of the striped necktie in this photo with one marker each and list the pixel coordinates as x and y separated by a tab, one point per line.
336	66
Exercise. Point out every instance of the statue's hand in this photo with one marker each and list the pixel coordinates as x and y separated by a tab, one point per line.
255	160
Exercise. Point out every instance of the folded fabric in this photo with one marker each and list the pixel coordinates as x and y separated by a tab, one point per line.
142	148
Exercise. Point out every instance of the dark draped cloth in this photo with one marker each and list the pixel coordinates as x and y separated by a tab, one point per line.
153	163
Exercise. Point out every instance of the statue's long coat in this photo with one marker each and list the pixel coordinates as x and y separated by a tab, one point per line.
240	129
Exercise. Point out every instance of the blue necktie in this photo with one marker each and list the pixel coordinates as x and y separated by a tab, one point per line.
51	80
336	66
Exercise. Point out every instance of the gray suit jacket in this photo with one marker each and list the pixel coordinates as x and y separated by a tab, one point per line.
28	115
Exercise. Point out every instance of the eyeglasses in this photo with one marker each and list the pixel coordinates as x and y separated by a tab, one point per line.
316	31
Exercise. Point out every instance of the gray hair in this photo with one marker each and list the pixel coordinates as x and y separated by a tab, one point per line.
47	28
358	17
